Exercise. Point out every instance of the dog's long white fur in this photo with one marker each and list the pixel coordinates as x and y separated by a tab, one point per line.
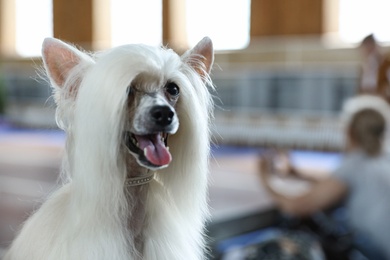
87	217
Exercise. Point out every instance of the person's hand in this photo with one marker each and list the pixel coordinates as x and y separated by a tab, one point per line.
276	162
282	164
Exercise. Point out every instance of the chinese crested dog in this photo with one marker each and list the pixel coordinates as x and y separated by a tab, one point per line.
136	158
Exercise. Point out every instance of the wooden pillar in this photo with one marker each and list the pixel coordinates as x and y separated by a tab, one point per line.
85	23
101	18
7	27
331	14
286	17
72	21
174	24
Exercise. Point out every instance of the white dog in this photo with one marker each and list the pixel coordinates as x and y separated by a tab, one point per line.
126	194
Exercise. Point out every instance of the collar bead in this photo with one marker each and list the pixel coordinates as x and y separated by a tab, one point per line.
139	180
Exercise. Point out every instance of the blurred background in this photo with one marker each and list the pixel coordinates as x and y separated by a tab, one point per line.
282	71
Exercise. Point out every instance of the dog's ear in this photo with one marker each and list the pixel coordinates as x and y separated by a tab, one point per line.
201	57
59	59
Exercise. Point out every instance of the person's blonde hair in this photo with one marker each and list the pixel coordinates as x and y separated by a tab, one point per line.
367	129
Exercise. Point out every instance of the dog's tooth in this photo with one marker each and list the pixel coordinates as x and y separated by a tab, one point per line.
145	151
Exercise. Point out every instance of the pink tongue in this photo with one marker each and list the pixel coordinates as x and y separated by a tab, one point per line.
154	149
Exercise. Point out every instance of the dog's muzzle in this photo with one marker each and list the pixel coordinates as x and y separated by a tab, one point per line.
151	149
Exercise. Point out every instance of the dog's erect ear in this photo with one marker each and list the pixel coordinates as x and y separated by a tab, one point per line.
201	57
59	59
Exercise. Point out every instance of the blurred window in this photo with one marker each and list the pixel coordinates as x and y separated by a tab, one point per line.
226	22
135	21
358	18
32	27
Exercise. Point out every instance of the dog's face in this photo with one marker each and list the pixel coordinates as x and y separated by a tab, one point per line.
151	116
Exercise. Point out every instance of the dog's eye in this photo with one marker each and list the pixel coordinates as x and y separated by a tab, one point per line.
172	89
130	90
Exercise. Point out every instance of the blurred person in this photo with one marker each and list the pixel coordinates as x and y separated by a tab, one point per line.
375	71
362	180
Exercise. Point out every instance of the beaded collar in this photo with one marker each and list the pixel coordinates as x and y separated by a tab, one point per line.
139	180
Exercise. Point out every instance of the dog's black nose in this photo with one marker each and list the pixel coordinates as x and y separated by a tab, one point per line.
162	115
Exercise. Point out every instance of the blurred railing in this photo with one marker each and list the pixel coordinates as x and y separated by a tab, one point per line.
28	97
294	106
279	130
299	90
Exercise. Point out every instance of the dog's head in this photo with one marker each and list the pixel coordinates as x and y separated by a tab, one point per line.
140	86
152	118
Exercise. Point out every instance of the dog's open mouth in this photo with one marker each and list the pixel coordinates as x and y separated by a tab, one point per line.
151	149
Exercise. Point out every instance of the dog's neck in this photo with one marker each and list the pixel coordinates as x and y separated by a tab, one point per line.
136	198
134	170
